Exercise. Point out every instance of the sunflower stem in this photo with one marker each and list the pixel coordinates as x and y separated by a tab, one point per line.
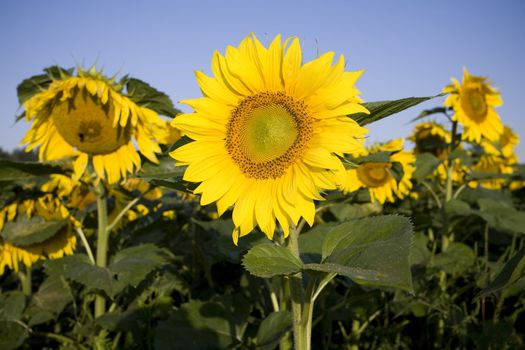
25	280
300	322
102	242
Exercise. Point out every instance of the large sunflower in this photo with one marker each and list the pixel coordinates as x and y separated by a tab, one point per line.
378	177
473	102
268	131
431	137
88	116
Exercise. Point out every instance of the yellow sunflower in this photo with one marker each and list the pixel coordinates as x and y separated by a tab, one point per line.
89	117
473	102
61	243
378	177
504	147
491	165
268	131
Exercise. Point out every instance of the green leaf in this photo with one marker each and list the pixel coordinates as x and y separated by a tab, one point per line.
273	328
428	112
14	171
419	254
377	157
513	270
166	169
147	96
24	231
456	259
35	84
426	163
132	265
267	260
374	250
12	335
52	297
382	109
216	324
501	216
348	211
457	207
12	305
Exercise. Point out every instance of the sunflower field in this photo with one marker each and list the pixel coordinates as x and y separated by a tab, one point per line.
263	219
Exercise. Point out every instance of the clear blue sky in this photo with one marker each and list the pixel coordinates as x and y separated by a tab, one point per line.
407	48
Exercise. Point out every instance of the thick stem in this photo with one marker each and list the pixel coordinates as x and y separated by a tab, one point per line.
102	242
300	332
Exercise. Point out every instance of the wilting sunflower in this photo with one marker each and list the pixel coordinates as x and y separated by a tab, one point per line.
378	177
89	117
473	102
60	243
431	137
268	131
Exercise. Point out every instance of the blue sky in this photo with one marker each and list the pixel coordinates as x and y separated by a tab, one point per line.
407	48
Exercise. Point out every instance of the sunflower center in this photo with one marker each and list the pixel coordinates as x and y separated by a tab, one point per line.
88	125
432	144
374	174
474	104
267	132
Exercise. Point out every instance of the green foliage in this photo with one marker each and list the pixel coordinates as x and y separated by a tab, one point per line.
426	163
16	171
272	329
24	231
147	96
267	260
513	270
382	109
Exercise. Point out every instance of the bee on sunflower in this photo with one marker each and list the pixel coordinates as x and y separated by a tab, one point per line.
95	120
267	134
385	181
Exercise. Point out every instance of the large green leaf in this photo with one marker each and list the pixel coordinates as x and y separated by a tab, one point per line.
14	171
147	96
12	335
216	324
24	231
35	84
382	109
513	270
501	215
273	328
128	267
371	251
267	260
426	163
456	259
52	297
12	305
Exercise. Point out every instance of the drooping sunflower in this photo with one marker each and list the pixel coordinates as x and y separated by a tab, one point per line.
89	116
431	137
378	177
60	242
268	132
473	102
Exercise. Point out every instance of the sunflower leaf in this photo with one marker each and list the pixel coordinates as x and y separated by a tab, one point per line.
52	297
35	84
273	328
426	163
382	109
371	251
147	96
267	260
14	171
24	231
513	270
428	112
501	216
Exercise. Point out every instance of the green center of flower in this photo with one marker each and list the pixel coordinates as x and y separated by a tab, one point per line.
474	104
374	174
266	133
86	124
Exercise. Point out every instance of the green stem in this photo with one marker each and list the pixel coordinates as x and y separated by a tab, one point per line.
60	338
102	242
300	332
25	280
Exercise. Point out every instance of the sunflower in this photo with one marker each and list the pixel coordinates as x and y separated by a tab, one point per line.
61	243
89	117
473	102
504	147
431	137
268	132
378	177
491	165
